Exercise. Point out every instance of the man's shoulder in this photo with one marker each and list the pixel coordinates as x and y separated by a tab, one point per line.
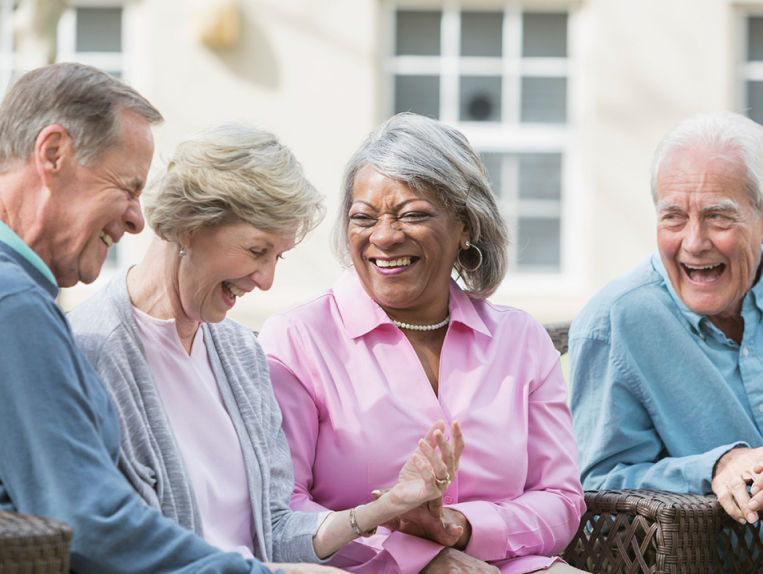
18	287
627	296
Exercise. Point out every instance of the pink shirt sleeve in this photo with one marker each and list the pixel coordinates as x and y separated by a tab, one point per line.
385	551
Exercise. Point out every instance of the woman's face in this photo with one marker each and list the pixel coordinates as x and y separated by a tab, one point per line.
225	262
403	244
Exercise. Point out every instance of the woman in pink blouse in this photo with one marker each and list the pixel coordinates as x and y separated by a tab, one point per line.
362	370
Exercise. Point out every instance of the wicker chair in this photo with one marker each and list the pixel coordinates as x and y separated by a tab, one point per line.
656	532
33	545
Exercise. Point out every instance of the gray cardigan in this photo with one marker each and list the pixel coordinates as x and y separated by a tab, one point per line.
150	458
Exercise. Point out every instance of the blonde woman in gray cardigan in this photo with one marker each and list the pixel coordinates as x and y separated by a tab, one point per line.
202	438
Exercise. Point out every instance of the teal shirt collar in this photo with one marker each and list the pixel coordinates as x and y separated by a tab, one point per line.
13	241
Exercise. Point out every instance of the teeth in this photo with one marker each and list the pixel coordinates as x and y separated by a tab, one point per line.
400	262
698	268
106	238
235	291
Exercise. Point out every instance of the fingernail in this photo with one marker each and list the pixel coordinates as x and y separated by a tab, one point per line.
375	492
753	504
752	517
742	521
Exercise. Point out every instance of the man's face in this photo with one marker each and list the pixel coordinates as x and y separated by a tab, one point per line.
96	205
708	232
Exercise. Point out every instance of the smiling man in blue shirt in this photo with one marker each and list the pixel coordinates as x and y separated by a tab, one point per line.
666	362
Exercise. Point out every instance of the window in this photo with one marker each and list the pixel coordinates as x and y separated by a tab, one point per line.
502	77
753	68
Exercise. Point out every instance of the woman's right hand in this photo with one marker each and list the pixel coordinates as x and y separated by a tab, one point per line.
303	568
452	561
425	475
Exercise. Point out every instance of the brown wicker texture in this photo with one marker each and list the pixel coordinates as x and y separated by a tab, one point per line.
33	545
646	531
656	532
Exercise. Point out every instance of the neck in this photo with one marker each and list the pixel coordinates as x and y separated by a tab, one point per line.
153	288
24	208
731	326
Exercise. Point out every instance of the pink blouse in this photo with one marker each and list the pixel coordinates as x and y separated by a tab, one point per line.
355	400
204	433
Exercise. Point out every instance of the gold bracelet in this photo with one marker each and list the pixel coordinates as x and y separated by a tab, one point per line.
356	529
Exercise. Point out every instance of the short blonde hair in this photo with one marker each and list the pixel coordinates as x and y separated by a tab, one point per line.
232	173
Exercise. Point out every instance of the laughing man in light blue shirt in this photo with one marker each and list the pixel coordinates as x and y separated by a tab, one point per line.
666	362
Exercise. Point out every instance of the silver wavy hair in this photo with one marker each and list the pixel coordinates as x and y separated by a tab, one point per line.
425	154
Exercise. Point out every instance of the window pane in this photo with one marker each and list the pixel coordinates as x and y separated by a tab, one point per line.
493	163
99	29
420	94
755	101
538	243
481	34
480	99
418	33
540	176
755	38
544	35
544	100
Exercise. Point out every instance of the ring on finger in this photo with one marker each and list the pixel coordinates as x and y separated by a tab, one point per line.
443	481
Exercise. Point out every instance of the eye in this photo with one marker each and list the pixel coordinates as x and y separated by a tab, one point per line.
257	252
362	219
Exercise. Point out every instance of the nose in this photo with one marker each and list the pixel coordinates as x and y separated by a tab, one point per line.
133	217
263	276
386	232
696	239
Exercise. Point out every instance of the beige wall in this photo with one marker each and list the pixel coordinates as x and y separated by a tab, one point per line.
310	70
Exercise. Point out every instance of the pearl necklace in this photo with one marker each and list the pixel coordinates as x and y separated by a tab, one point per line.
434	327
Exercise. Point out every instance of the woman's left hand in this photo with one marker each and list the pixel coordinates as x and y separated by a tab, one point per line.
425	475
434	522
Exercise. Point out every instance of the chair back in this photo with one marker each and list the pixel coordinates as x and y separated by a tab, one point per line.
559	333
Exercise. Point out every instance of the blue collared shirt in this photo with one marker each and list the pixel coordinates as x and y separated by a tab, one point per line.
659	393
9	237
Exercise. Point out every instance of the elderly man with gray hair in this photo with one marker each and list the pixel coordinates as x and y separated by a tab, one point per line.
666	369
75	149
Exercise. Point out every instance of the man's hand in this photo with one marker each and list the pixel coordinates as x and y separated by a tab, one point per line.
452	561
733	472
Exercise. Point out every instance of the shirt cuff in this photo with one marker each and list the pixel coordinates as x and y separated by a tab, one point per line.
488	539
410	553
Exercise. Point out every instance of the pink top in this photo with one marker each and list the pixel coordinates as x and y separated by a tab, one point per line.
355	400
203	431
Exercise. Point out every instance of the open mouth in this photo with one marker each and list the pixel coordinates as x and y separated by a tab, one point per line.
106	238
398	263
231	291
704	273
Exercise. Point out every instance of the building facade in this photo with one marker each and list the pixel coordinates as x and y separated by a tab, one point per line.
564	100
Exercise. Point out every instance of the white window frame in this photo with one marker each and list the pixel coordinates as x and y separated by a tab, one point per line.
748	71
508	136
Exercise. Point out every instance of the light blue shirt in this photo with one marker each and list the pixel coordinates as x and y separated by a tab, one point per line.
658	393
9	237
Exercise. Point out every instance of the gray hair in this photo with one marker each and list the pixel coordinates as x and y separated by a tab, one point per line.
233	173
728	135
427	155
83	100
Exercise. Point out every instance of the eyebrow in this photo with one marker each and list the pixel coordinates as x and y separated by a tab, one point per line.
398	206
727	205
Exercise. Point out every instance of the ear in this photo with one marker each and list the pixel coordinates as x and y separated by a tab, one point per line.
53	152
465	235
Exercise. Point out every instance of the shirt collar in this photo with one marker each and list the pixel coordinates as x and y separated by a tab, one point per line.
9	237
361	314
695	319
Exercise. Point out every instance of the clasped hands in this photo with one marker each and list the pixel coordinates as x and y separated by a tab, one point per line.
431	519
738	483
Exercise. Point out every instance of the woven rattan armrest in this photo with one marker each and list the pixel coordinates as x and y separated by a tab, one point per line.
646	531
33	545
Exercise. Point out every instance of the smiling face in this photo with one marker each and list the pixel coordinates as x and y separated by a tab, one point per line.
403	244
92	207
226	262
709	234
